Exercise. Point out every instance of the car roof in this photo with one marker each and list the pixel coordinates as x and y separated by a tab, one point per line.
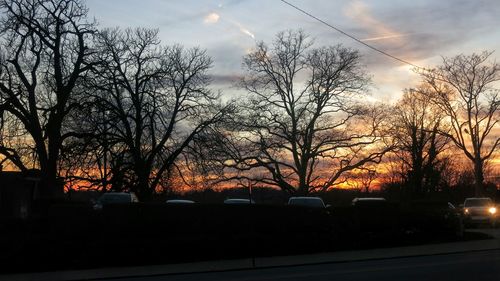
369	199
180	201
306	201
116	193
238	200
305	197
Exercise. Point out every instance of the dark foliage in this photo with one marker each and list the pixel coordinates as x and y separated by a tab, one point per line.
141	234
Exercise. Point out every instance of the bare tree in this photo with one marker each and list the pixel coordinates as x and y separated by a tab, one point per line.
45	51
417	123
91	160
362	178
463	88
392	170
156	102
302	126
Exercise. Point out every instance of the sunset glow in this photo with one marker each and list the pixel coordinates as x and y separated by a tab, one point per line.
399	35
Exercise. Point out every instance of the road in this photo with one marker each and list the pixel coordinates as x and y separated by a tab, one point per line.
481	265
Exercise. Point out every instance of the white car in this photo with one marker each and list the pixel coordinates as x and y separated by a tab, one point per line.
115	198
235	201
306	201
368	201
480	210
179	201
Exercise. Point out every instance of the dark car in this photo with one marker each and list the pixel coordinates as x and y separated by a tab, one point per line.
376	216
306	201
437	217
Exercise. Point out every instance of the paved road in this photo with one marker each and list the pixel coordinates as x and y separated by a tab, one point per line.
482	265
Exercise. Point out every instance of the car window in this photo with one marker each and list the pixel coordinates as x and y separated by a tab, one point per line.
308	202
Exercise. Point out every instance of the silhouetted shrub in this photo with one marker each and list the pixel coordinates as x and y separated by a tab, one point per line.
77	236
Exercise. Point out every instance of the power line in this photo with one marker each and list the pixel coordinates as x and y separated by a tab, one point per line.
350	36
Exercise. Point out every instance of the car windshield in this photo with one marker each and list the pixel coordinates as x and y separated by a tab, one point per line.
308	202
480	202
115	198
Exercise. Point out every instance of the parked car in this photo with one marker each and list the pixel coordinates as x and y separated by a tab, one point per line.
377	218
115	198
234	201
437	216
179	201
306	201
368	201
480	210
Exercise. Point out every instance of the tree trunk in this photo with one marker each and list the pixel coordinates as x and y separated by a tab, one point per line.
54	187
479	178
143	189
51	188
303	190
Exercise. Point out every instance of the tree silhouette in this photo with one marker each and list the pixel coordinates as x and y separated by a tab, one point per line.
302	126
154	101
362	178
463	88
45	53
417	126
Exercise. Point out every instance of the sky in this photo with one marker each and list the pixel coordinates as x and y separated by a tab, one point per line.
419	31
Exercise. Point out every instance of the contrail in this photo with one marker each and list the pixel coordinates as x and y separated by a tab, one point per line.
385	37
245	31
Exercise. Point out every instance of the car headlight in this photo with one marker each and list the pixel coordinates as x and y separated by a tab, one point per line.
492	210
466	211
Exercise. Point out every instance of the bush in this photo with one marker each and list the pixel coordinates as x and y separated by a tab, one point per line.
121	235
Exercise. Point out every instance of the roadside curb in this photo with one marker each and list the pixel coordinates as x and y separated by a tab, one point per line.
259	263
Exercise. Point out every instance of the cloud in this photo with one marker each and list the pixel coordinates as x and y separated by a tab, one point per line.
420	32
225	79
211	18
375	29
227	56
